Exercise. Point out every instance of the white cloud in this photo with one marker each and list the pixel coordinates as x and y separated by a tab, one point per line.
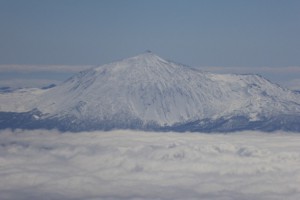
44	68
137	165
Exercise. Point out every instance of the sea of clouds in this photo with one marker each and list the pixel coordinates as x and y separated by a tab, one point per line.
121	165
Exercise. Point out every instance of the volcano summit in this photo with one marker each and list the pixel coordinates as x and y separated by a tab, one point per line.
146	92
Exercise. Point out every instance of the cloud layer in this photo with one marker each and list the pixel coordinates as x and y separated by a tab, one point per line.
17	82
26	76
27	83
78	68
138	165
43	68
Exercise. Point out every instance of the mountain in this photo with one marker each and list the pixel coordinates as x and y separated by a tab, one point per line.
149	93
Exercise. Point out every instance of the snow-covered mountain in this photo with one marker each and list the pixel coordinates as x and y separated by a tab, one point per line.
147	92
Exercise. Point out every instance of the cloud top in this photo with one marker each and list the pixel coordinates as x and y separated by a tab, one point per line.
137	165
283	72
43	68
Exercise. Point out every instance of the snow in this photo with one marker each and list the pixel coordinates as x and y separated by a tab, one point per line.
152	89
143	165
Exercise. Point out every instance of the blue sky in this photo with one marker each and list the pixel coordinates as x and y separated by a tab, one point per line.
254	36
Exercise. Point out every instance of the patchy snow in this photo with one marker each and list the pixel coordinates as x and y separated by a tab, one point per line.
124	165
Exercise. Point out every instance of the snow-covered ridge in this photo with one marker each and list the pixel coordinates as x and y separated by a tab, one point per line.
147	89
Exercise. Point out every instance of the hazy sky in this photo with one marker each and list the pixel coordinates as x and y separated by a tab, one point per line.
212	33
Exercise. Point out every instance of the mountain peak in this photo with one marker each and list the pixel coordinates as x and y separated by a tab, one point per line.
141	62
147	92
147	56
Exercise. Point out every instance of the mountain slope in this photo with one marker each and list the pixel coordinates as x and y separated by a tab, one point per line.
148	92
